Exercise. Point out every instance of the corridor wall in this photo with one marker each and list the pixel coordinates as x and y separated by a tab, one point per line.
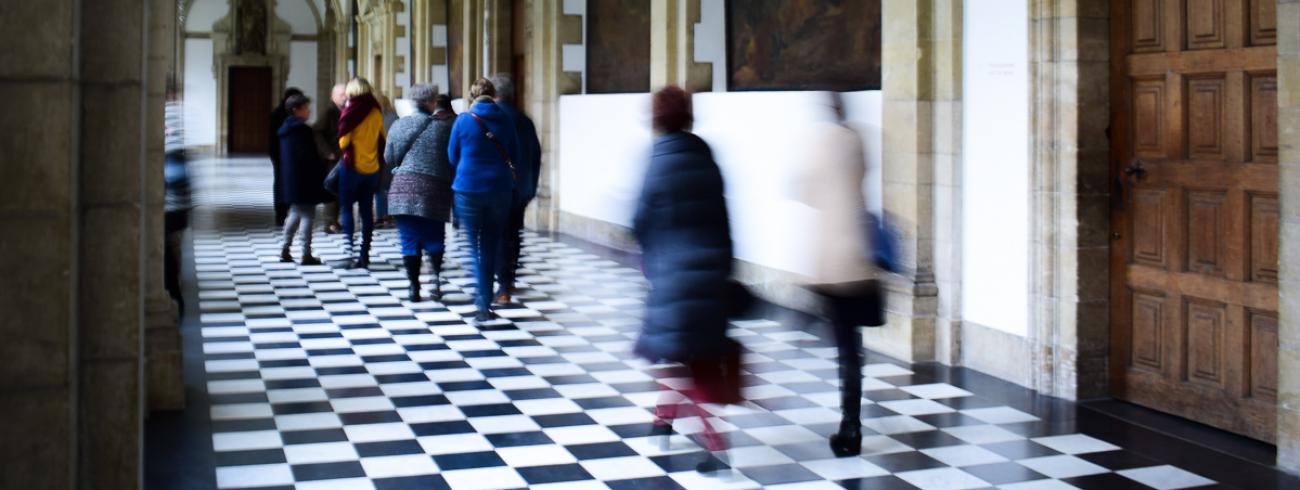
757	138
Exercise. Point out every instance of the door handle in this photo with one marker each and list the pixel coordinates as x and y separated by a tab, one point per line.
1136	170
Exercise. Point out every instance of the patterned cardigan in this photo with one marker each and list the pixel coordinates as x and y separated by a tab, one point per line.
422	175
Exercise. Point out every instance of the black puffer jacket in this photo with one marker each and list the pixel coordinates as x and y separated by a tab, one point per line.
681	224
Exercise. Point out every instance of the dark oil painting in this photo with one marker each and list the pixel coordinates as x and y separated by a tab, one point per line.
618	46
803	44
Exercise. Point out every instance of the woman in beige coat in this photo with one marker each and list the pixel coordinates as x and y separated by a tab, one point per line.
842	273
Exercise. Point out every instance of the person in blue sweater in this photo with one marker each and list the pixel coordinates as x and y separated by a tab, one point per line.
529	168
483	150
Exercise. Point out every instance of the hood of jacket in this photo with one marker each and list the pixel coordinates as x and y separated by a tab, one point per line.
680	142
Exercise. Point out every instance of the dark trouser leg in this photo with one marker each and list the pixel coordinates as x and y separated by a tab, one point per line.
848	340
281	208
174	224
483	217
511	245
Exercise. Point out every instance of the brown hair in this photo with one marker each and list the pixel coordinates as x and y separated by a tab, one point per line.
670	110
482	87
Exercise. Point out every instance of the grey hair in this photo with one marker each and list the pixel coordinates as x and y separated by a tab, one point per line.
505	86
422	94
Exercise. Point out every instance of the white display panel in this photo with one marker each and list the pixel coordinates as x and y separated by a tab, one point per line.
995	168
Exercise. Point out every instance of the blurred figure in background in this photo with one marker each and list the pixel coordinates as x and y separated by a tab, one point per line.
843	272
482	151
278	115
420	196
361	138
177	201
382	219
529	168
302	177
681	224
327	147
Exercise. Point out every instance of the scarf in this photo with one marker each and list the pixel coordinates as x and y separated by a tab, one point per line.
354	113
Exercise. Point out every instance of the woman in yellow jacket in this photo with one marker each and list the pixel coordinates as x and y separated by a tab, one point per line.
361	138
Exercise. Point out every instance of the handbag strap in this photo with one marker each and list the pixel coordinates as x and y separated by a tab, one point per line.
401	156
505	155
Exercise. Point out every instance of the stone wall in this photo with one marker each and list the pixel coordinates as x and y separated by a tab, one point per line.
1288	99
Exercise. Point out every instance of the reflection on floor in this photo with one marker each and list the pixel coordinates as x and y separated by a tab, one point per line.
314	377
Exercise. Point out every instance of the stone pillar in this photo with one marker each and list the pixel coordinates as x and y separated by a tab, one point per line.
163	365
672	46
916	64
421	32
471	45
38	249
547	81
1070	201
110	293
1288	100
497	48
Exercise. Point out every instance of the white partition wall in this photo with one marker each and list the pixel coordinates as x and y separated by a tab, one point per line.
758	139
995	170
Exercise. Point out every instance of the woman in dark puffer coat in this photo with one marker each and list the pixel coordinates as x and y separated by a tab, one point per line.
681	224
420	194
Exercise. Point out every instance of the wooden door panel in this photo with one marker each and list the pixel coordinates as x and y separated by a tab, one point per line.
1206	26
1194	267
1207	236
1263	22
1263	118
1263	236
1206	117
249	107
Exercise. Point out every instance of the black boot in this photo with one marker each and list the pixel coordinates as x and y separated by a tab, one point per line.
848	441
412	263
435	260
363	260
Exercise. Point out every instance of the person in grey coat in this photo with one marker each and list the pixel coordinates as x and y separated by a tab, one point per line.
420	194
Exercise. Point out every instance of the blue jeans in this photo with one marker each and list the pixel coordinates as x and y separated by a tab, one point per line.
357	188
381	204
483	218
419	233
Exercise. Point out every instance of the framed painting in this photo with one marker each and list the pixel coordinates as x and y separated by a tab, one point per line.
803	45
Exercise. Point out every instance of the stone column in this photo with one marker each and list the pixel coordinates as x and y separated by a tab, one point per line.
547	81
38	249
672	46
471	45
917	64
496	43
163	366
1288	100
111	226
421	32
1070	202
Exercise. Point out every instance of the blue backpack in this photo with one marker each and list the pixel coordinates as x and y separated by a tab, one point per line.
884	243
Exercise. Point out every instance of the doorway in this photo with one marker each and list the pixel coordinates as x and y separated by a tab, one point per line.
1194	257
248	109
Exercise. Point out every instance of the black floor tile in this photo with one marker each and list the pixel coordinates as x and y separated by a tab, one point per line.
518	439
585	452
776	475
909	461
313	436
537	475
426	482
887	482
388	448
328	471
1003	473
462	461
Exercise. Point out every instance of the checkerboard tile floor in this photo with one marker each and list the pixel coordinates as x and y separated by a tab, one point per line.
327	378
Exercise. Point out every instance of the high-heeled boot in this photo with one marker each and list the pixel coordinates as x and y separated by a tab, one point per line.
435	261
412	263
363	260
848	441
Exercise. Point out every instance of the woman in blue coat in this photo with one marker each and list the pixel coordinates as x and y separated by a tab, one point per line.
681	224
482	151
301	177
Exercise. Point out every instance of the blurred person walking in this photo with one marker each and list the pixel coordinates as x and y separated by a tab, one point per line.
302	176
843	273
177	201
361	139
420	196
529	169
682	226
278	115
327	147
482	151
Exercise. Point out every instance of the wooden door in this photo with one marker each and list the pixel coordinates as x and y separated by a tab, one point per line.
1195	220
249	109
